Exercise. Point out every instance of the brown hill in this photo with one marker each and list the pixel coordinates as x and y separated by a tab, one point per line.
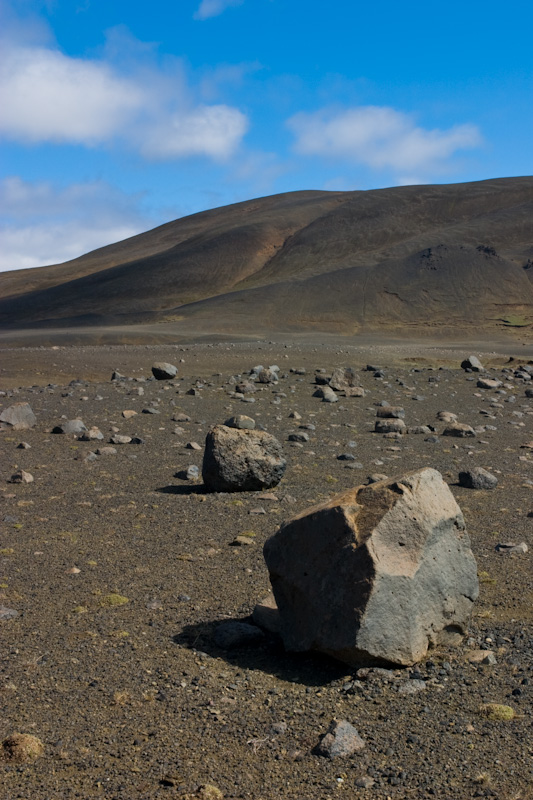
453	257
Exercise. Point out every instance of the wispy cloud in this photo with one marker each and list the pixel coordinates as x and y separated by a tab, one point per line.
380	138
47	96
44	224
212	8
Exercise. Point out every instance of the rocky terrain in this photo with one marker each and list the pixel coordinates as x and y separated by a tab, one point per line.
120	574
442	260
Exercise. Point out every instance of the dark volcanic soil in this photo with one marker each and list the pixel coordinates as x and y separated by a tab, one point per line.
113	666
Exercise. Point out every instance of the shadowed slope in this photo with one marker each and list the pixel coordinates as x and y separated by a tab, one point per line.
444	256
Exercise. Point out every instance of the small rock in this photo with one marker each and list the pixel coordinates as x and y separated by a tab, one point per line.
389	426
459	429
390	412
120	439
93	434
473	364
129	413
241	422
7	613
18	417
193	446
20	748
488	383
298	437
512	549
478	478
21	477
341	740
71	426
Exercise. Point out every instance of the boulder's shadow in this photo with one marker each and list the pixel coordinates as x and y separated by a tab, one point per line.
183	490
267	655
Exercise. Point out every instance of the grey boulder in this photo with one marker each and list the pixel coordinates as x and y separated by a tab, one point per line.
341	739
342	378
472	363
478	478
379	574
71	426
18	417
162	371
241	460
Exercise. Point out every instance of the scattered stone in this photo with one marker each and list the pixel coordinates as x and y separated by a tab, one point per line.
341	740
21	477
241	422
241	460
162	371
93	434
295	415
150	410
20	748
354	391
478	478
342	378
327	394
116	376
510	549
412	687
18	417
390	426
71	426
379	572
472	364
233	633
245	387
24	446
7	613
390	412
120	439
193	446
488	383
106	451
267	376
129	413
459	430
446	416
419	429
180	417
242	540
298	437
376	477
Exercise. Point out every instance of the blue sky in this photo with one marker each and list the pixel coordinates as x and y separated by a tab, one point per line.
118	116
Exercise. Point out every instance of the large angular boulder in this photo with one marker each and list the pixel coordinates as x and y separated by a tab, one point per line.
18	417
241	460
379	574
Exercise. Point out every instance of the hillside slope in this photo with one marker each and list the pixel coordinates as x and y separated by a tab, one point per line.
445	256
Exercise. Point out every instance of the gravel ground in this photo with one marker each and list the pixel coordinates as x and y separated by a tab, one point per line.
120	572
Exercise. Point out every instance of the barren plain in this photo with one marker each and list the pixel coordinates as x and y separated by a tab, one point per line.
115	572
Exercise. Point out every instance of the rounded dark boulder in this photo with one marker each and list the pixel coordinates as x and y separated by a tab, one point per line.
241	460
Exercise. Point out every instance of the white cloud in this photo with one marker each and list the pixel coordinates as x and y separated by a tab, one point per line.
46	96
212	8
379	137
45	225
215	131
